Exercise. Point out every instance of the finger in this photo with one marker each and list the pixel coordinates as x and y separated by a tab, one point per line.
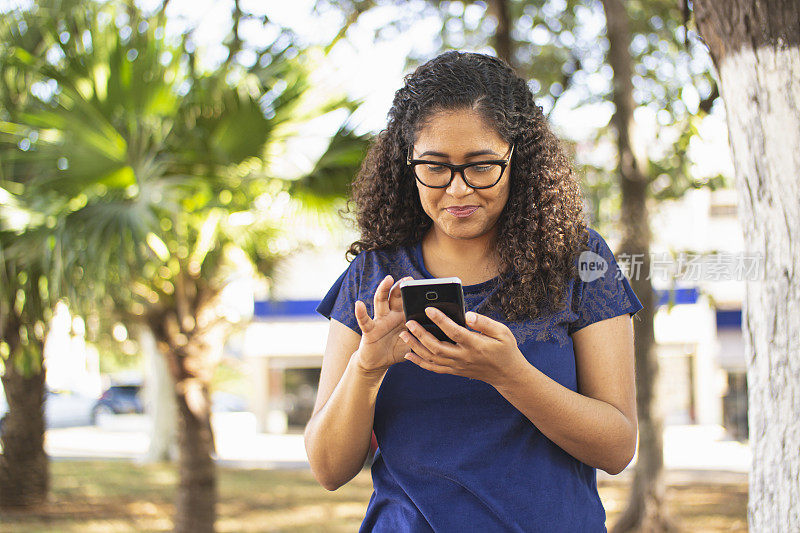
485	325
396	296
417	347
362	317
458	334
427	365
434	346
381	298
394	291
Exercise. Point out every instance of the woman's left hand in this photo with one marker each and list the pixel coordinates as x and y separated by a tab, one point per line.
489	353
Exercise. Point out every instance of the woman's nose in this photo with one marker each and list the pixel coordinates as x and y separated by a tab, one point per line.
458	187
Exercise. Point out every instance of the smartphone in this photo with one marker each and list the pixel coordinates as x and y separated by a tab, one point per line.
445	294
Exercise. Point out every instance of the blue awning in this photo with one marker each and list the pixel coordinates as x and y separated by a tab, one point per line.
681	295
285	308
729	318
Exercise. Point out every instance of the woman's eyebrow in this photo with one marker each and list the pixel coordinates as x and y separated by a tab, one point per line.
469	154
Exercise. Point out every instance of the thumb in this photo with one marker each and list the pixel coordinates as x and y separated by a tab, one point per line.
485	325
362	317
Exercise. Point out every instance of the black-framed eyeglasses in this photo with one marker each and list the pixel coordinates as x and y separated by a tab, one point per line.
477	175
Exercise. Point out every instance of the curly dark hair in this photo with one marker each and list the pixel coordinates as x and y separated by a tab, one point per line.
541	230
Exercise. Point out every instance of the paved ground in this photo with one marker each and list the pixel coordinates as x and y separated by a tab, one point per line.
690	452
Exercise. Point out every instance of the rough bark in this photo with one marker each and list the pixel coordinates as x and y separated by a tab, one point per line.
24	466
754	46
646	509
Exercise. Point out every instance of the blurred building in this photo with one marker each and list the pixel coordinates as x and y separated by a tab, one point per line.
72	364
700	343
702	379
283	345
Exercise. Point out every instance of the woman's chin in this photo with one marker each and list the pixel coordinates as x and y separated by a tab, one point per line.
464	233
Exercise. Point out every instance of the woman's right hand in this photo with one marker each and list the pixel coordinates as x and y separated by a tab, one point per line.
381	346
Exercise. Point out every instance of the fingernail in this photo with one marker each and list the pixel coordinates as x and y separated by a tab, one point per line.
471	317
404	336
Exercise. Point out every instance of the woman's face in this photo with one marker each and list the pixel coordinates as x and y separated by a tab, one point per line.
458	137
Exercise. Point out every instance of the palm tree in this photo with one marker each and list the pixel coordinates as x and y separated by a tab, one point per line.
26	296
160	174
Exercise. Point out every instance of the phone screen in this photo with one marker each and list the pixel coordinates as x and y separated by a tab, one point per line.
447	297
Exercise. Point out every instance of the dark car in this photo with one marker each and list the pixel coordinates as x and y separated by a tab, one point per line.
118	399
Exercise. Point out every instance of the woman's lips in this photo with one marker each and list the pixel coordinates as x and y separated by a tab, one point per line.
462	212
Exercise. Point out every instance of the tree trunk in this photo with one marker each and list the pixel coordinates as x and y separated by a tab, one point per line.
24	466
501	40
159	401
190	336
646	510
754	45
195	508
191	367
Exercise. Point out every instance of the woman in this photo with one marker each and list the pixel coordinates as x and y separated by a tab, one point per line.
503	430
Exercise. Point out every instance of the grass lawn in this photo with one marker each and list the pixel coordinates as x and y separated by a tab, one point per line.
111	496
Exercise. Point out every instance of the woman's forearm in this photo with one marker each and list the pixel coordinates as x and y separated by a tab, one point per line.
337	437
593	431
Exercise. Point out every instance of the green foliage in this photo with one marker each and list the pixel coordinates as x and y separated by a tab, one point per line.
331	176
26	296
125	165
141	166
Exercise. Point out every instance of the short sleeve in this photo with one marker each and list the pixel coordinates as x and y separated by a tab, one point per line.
340	300
601	290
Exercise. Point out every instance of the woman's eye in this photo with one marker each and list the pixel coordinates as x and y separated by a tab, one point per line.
483	168
435	168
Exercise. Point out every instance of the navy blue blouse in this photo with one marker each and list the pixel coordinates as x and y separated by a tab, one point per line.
455	455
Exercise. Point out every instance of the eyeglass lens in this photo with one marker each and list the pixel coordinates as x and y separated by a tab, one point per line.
482	175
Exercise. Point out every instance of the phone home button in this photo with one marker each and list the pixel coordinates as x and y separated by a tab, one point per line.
431	295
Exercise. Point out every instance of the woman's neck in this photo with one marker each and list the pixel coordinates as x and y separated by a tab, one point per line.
472	260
